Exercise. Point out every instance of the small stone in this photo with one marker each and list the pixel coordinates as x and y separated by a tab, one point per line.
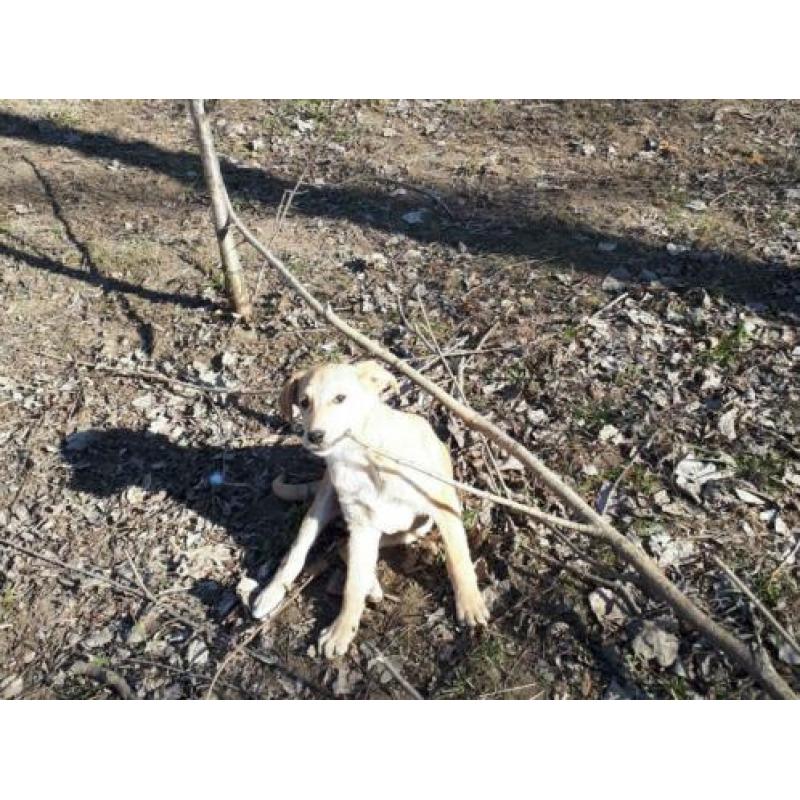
608	433
613	283
345	680
415	217
676	249
654	643
696	205
727	425
197	653
606	606
748	497
606	247
661	498
536	416
226	603
143	402
98	639
80	440
135	495
389	133
378	259
788	654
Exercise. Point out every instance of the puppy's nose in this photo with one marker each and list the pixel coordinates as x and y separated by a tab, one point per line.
316	437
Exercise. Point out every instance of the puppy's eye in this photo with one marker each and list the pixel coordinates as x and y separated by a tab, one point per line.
304	403
340	398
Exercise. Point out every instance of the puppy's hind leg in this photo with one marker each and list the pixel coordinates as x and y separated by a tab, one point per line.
322	511
470	607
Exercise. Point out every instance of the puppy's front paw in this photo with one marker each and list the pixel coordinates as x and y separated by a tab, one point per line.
470	609
269	599
335	640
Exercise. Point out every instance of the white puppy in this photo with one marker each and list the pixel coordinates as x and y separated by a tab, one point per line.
382	502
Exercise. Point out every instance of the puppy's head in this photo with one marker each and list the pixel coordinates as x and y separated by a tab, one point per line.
333	399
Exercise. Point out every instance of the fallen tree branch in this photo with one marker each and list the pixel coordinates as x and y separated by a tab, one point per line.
234	281
655	581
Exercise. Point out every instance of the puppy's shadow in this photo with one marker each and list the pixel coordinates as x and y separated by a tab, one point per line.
231	488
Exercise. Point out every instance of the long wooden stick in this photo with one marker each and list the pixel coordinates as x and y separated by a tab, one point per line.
655	580
234	281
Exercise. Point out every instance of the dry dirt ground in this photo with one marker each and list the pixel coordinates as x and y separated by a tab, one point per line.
626	272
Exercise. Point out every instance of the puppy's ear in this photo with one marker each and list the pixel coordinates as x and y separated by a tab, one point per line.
376	378
288	397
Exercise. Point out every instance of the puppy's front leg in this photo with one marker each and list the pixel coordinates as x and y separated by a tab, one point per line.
470	607
322	511
362	558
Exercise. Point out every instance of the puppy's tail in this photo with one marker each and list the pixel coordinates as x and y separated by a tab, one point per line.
294	492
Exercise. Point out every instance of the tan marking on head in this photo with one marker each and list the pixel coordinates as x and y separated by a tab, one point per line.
375	377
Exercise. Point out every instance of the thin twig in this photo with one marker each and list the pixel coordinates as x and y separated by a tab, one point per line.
637	451
411	327
789	554
149	662
29	462
515	689
395	672
138	577
531	511
105	676
757	603
280	217
149	375
618	299
513	348
57	562
420	190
